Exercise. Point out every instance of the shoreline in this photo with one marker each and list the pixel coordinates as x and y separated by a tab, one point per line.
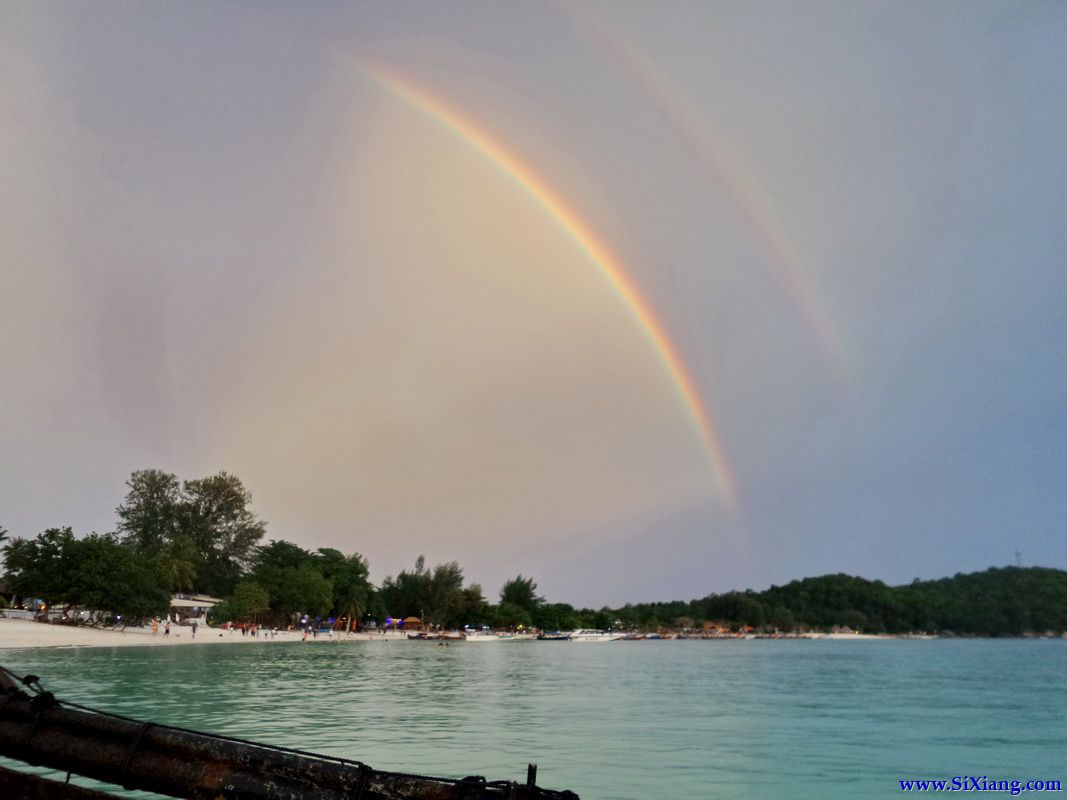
20	634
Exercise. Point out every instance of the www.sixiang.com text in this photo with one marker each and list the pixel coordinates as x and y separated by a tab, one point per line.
972	783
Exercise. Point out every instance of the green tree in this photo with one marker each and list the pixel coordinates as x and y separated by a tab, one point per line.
293	578
178	563
307	590
42	567
96	572
330	561
409	593
509	615
203	529
434	595
279	555
107	576
522	593
474	609
445	601
217	518
351	587
557	617
150	516
249	600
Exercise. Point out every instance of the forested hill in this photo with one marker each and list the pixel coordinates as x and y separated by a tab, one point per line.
1005	601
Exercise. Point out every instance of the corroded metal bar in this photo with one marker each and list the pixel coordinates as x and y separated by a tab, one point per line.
200	767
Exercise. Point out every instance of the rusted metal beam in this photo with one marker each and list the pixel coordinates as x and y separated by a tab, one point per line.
202	767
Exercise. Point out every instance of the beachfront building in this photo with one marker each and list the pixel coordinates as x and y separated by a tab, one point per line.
184	606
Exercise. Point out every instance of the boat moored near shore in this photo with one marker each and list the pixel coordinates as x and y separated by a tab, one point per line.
39	730
593	635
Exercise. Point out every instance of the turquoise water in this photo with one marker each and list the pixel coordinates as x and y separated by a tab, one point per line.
625	720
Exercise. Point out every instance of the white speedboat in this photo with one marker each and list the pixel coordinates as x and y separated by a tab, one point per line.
481	636
502	636
592	635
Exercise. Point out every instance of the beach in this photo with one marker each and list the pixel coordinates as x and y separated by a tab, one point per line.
21	633
18	633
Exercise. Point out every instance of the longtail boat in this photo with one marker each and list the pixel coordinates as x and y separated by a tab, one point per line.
39	730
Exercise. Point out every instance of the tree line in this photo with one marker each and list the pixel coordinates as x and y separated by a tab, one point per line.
201	535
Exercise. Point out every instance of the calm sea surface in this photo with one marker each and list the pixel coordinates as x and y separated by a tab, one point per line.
682	719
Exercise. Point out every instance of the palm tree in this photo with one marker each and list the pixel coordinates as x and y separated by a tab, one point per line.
351	589
178	563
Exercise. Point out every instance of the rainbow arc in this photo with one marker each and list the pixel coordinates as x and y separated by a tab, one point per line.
596	250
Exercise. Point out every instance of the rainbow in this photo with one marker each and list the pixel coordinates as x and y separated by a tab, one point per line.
727	170
570	222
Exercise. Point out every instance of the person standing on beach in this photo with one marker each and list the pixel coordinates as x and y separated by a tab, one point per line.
155	626
194	628
166	629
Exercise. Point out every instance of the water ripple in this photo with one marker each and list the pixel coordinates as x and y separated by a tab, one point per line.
619	720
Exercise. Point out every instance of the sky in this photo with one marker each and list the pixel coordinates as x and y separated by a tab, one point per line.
644	300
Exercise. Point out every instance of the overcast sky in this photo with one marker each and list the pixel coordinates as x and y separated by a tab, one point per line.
344	252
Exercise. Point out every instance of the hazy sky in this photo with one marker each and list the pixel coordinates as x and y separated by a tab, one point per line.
525	285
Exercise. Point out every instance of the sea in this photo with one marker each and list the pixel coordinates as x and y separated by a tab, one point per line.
626	720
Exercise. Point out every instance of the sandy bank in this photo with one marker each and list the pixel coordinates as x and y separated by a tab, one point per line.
17	633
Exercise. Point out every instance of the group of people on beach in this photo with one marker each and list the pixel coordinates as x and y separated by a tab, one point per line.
309	631
250	629
166	627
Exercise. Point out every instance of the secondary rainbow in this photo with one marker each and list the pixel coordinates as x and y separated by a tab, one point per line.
724	166
554	205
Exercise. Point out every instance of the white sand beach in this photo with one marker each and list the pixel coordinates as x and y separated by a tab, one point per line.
19	633
26	633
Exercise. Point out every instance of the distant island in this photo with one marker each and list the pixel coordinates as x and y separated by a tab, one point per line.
200	536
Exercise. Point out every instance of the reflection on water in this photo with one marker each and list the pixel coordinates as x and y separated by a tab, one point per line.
819	719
